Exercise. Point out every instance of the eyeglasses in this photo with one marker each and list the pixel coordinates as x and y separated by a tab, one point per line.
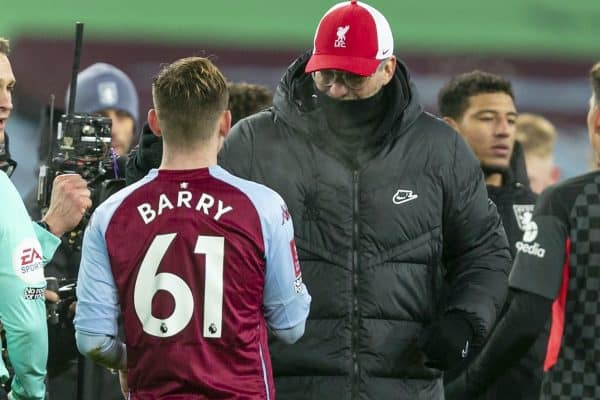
327	77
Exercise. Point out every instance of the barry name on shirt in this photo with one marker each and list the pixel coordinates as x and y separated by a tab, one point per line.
204	203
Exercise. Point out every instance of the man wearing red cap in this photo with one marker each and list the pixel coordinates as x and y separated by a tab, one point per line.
388	202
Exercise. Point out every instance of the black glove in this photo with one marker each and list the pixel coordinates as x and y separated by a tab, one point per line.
463	387
145	156
456	389
446	342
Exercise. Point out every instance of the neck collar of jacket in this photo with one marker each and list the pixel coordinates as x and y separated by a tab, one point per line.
296	103
516	173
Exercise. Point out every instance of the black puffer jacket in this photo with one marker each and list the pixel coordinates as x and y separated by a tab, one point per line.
375	243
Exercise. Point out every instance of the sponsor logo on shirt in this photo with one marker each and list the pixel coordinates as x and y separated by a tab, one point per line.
27	261
531	231
523	214
31	293
527	246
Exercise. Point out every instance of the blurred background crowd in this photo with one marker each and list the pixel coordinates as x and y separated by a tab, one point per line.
545	47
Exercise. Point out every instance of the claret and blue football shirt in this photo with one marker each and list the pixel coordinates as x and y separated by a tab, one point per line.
199	263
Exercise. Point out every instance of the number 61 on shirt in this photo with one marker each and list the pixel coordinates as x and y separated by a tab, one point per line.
148	283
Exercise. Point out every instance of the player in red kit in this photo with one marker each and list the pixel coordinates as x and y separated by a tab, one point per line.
555	277
199	263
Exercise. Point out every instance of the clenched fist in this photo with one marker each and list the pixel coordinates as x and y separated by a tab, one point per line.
69	201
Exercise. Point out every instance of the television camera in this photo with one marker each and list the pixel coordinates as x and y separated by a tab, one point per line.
81	145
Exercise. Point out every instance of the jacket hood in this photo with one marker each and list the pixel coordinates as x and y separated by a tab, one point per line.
295	102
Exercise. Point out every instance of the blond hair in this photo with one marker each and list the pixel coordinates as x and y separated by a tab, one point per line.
536	134
189	96
595	80
4	46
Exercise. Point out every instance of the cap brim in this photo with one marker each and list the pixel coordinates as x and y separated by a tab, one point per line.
356	65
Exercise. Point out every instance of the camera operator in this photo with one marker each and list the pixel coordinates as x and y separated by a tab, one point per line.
24	249
104	90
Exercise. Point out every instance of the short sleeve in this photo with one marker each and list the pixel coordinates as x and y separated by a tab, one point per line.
541	253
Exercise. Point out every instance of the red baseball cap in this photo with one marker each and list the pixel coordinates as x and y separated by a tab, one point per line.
353	37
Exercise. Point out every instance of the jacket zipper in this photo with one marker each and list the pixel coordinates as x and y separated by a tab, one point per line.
355	317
